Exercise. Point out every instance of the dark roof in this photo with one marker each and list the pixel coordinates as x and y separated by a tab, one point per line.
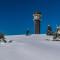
37	12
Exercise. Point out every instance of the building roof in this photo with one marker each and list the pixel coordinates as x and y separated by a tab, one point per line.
37	12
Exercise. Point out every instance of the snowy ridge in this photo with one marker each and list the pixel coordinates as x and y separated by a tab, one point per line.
24	37
34	37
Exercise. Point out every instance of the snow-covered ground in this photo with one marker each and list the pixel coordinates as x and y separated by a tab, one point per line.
33	47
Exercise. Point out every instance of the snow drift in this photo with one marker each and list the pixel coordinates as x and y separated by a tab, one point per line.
33	47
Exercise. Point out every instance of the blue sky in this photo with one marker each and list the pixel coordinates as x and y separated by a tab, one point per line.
17	15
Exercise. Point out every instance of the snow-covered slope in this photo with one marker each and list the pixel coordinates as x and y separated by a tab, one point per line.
24	37
33	47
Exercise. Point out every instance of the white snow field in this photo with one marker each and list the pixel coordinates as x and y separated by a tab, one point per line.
33	47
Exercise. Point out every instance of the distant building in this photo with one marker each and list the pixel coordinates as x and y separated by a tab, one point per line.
37	16
49	30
